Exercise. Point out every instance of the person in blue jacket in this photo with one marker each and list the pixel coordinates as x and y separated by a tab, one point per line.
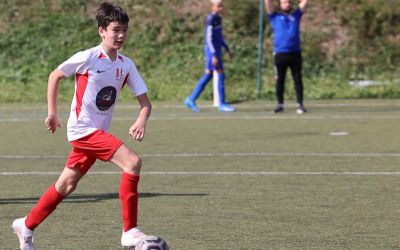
214	42
285	25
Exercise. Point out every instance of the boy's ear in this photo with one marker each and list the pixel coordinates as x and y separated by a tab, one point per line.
101	31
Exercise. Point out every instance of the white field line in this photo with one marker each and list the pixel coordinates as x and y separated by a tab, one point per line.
227	117
179	173
206	105
239	154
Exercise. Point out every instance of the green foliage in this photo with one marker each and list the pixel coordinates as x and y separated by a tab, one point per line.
373	48
166	41
32	47
369	19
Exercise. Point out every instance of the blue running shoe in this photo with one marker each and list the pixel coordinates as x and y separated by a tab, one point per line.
192	105
226	108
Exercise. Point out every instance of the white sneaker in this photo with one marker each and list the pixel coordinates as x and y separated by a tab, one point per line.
301	109
132	237
25	235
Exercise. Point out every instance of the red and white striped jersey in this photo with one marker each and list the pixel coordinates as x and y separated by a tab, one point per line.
98	83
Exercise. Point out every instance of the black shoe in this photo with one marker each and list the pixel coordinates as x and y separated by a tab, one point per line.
278	109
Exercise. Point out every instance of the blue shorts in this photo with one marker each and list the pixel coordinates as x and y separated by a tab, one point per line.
209	65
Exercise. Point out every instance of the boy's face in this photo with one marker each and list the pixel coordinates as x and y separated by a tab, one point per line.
217	8
114	36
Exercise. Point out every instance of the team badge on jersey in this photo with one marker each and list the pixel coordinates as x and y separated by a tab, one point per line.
119	74
106	98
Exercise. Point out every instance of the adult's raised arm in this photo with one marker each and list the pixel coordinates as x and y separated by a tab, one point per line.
269	7
303	5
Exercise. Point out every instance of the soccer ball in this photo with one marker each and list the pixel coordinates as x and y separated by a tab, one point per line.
151	243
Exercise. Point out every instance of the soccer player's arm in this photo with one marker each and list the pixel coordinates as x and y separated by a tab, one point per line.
137	86
269	7
137	130
303	5
67	68
52	122
210	39
226	47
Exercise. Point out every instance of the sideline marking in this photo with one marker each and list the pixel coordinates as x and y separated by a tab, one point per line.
228	154
262	116
207	104
216	173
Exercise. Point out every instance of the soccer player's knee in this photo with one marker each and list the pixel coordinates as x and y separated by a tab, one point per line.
209	74
138	163
67	187
70	188
134	163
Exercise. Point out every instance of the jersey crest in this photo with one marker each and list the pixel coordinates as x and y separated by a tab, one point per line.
106	98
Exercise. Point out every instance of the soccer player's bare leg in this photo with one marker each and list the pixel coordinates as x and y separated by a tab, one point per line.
68	181
128	160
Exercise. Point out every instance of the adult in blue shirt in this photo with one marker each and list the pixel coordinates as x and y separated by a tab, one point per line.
285	25
214	42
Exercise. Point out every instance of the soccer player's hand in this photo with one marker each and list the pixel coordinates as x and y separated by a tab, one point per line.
230	55
137	131
214	61
52	123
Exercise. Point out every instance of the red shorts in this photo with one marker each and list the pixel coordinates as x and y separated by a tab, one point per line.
97	145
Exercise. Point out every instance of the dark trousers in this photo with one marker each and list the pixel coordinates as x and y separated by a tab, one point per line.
283	61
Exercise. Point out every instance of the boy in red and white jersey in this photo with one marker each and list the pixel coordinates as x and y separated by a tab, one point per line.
100	74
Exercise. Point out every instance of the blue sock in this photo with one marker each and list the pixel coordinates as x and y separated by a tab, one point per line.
200	86
221	87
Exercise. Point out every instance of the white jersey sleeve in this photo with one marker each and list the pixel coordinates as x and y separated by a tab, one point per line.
75	64
135	81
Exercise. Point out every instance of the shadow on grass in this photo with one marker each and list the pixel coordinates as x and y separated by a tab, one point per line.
88	198
237	101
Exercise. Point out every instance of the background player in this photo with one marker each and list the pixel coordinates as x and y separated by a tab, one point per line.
100	74
287	48
214	41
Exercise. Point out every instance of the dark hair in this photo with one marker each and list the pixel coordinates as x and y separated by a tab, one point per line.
279	2
108	13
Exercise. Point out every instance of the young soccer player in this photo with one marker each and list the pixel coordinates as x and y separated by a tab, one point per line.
287	48
100	74
214	41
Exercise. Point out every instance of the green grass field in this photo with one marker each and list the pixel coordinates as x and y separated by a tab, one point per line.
246	180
